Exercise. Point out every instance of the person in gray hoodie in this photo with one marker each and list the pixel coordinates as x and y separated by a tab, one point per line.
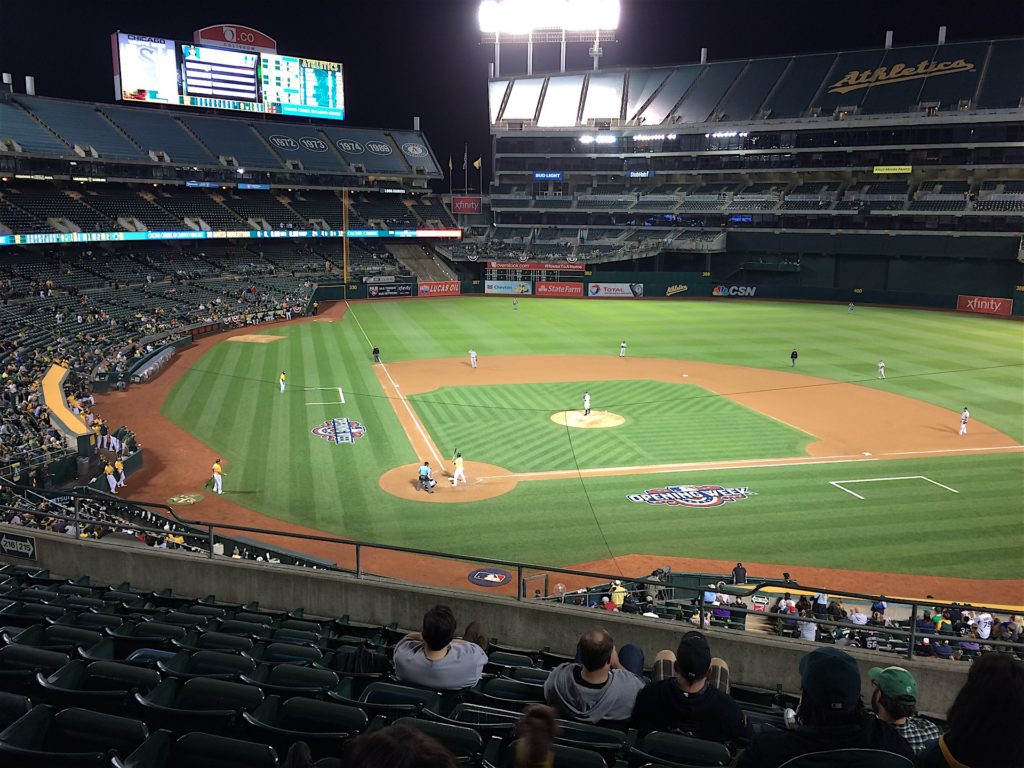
603	686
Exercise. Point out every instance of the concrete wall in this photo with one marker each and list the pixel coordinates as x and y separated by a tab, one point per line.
753	659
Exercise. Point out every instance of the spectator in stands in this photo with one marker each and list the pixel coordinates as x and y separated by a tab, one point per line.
808	628
536	731
924	623
617	593
836	610
1010	630
985	722
602	686
894	701
397	746
435	659
857	616
831	717
690	692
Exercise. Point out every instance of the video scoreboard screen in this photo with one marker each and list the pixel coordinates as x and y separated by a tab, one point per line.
161	71
303	87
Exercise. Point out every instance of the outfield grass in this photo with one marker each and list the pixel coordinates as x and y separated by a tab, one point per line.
511	425
230	400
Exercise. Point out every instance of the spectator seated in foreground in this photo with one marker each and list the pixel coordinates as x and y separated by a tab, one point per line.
894	701
604	684
985	723
690	693
831	718
433	658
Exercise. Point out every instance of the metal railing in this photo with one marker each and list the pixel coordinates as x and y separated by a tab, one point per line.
527	571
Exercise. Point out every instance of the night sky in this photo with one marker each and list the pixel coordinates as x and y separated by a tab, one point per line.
423	57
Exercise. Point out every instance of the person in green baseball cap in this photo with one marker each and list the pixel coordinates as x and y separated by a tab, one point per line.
894	701
831	718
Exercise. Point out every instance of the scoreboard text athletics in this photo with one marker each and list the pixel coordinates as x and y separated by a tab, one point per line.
331	66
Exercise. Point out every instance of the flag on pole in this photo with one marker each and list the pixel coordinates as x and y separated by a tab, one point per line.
450	166
465	157
478	163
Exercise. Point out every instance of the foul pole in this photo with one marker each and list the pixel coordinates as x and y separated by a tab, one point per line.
344	242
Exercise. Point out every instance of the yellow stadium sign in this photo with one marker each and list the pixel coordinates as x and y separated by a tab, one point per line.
898	73
892	169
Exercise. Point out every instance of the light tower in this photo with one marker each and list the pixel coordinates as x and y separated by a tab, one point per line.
548	21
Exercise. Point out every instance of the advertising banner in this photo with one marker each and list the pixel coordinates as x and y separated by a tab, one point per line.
557	266
985	305
463	204
508	287
446	288
615	290
389	291
558	289
734	290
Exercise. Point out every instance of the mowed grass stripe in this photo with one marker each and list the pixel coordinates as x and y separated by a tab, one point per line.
511	425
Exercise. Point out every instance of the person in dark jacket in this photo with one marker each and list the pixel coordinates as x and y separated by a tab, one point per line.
831	717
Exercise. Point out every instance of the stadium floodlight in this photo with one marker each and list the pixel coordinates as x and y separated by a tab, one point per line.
518	17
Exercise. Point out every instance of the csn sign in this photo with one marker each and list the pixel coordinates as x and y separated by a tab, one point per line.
734	290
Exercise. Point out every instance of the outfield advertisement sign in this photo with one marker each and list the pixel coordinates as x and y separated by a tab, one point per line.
573	290
446	288
389	291
985	305
508	287
734	290
615	290
538	265
464	204
56	238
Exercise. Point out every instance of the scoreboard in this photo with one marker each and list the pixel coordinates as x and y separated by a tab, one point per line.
157	70
303	87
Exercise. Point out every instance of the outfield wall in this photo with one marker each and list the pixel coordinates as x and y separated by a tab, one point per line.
754	659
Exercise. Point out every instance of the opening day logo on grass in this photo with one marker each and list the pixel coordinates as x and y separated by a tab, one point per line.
340	431
691	495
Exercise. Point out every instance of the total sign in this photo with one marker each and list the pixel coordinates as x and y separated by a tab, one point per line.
733	290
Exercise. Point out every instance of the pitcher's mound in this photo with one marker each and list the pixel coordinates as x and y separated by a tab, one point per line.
596	419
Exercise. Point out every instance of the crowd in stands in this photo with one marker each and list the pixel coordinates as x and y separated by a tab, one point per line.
687	691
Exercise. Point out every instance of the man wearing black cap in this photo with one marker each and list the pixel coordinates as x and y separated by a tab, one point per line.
831	718
684	697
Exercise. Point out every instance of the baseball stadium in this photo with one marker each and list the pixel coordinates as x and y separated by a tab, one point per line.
714	337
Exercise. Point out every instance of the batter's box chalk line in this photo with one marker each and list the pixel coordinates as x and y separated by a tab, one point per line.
840	484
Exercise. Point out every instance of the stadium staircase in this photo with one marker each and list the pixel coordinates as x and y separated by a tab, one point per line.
421	262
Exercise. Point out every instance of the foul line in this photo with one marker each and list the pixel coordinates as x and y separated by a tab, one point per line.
840	483
419	427
341	395
656	469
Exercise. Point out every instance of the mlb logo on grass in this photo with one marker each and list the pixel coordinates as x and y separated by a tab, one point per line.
691	495
339	431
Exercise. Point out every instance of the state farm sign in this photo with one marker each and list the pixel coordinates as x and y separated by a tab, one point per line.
541	288
985	305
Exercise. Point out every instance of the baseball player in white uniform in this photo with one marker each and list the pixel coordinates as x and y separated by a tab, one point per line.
460	470
472	358
586	403
964	418
881	369
622	349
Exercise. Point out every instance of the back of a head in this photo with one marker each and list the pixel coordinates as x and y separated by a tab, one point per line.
438	627
537	730
596	649
830	681
986	719
397	746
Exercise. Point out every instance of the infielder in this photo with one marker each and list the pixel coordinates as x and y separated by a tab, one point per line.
622	349
881	369
964	418
472	358
281	377
586	403
460	470
792	357
218	476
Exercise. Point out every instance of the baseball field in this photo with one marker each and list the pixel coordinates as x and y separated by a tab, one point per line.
703	442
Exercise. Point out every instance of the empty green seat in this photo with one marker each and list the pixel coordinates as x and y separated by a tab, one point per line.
71	737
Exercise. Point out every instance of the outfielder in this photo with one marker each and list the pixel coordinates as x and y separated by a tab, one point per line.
622	349
281	378
460	470
881	369
586	403
472	358
964	418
